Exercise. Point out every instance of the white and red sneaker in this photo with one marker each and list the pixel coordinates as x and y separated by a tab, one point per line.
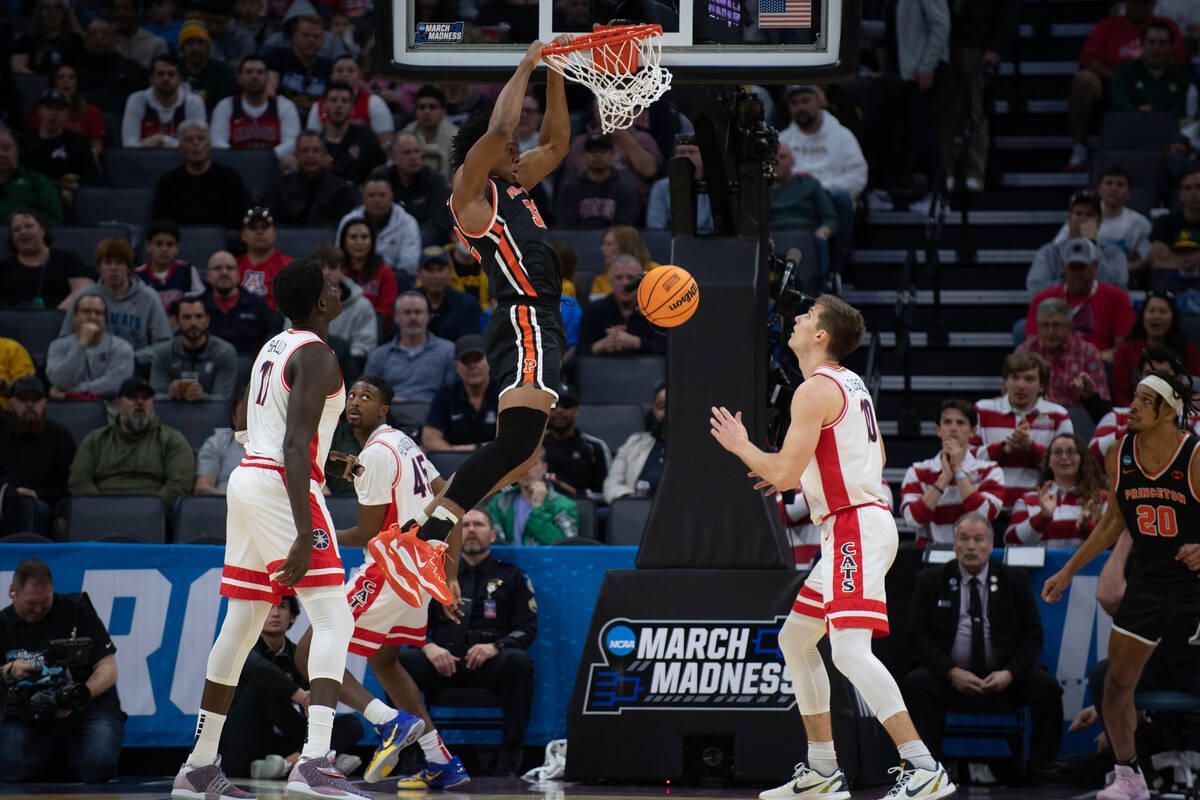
1127	785
411	564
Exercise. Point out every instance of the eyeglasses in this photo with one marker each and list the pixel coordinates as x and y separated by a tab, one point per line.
1060	453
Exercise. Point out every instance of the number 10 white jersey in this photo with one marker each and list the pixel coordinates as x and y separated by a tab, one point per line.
847	467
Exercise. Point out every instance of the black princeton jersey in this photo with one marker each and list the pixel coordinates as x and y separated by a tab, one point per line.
515	248
1161	511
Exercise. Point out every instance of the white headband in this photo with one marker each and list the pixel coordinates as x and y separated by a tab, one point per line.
1157	384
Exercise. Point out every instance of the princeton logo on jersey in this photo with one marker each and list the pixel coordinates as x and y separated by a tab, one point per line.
529	367
514	191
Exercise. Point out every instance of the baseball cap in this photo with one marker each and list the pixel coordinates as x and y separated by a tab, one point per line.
258	212
27	384
134	384
596	141
192	29
801	87
434	253
568	396
471	343
1187	239
1079	250
53	97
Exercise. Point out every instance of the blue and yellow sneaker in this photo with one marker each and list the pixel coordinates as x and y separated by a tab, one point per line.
437	776
395	735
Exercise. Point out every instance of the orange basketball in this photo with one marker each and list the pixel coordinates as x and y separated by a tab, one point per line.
668	296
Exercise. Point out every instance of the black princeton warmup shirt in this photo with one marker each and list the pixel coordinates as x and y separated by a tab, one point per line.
1161	512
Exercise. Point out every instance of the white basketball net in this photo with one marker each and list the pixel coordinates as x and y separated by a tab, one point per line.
625	74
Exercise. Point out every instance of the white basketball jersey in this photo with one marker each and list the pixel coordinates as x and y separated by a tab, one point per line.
266	411
847	467
395	473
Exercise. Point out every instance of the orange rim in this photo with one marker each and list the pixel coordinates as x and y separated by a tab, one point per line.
613	35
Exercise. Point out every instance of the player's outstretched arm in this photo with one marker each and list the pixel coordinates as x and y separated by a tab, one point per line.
313	373
1103	536
554	138
369	524
472	176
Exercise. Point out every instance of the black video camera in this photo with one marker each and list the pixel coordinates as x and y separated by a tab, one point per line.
36	701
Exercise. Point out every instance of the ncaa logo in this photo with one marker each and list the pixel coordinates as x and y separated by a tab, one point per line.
320	539
1127	459
620	641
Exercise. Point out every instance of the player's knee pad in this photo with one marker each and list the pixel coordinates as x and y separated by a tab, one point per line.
240	630
798	642
800	632
518	434
851	651
332	627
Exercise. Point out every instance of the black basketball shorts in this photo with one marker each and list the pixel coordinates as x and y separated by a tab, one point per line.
525	345
1151	599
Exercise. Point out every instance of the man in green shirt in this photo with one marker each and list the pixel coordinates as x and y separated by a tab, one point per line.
135	453
24	189
211	80
531	511
1152	82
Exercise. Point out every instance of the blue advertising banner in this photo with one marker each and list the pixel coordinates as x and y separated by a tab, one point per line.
160	604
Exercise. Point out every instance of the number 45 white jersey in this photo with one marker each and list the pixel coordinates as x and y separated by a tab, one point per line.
396	474
847	467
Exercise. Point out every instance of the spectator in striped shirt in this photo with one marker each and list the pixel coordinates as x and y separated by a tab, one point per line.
1067	353
938	491
1112	425
1069	501
1016	427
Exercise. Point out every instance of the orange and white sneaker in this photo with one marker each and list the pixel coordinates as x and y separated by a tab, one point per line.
411	564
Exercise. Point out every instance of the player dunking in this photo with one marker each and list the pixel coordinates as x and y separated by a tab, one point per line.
497	221
395	483
1155	477
834	451
279	539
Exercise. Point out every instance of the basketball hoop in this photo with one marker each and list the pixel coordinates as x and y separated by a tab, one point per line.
622	65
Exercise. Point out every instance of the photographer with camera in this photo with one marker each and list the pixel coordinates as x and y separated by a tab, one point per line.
59	672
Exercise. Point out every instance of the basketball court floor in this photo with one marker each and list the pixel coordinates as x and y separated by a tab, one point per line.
500	789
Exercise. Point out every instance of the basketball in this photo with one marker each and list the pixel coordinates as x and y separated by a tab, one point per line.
668	296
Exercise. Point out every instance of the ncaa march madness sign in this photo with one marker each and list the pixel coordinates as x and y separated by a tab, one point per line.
682	665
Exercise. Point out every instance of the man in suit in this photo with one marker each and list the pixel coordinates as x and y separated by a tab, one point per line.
974	633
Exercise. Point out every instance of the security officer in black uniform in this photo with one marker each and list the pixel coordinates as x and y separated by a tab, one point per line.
490	648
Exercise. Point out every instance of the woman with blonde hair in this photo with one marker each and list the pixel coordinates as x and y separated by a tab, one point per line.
619	240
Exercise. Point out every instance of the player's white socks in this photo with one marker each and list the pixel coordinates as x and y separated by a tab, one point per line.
441	512
917	755
320	730
208	737
435	751
378	712
822	757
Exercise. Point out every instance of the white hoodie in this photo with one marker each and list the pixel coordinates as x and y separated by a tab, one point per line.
356	324
831	155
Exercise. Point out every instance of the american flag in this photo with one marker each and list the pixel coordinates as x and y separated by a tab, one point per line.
785	13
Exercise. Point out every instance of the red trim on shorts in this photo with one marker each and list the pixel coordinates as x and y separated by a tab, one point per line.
809	603
262	590
847	579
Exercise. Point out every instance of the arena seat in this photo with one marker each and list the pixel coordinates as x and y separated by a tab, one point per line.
300	242
31	88
34	329
96	205
658	242
343	509
112	130
447	461
25	537
80	417
587	519
200	519
122	517
612	422
619	379
410	413
138	166
259	169
627	522
1138	130
467	714
196	421
82	240
198	242
586	245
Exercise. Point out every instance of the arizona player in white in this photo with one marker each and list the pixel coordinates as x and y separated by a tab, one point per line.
279	539
834	451
396	480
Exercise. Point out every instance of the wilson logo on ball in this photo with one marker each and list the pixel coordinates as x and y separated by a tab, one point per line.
668	296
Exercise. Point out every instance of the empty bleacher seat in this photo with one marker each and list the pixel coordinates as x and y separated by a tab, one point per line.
97	204
82	240
258	168
299	242
138	166
1138	130
587	518
619	379
627	522
33	329
118	517
198	242
343	509
447	461
196	421
80	417
658	242
31	88
410	413
612	422
586	245
200	519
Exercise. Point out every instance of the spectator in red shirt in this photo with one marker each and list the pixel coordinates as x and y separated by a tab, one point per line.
1068	502
261	262
1100	313
1157	325
366	268
1113	41
1067	354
